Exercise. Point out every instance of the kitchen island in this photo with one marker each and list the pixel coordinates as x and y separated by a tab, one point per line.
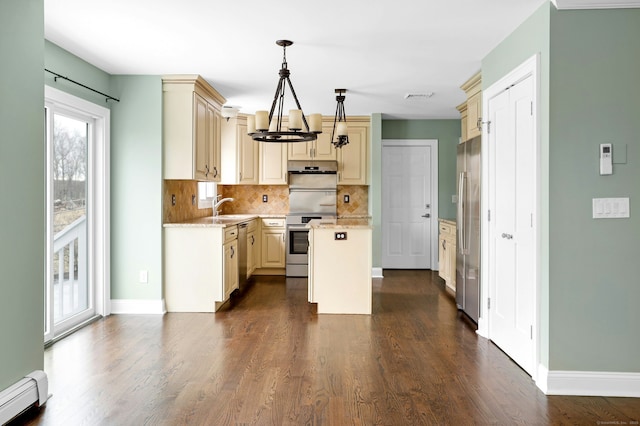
340	265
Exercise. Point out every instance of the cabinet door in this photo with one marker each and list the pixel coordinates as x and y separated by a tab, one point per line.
324	149
273	163
230	267
251	252
201	137
443	259
273	255
352	158
474	115
248	153
299	150
214	143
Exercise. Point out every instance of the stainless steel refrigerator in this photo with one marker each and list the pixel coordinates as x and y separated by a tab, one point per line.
468	228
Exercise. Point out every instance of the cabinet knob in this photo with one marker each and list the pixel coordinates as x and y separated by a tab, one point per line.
232	252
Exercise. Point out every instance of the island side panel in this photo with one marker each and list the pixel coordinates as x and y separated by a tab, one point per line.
342	271
193	269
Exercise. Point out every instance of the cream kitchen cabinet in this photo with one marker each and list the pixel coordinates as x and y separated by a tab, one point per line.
240	153
200	267
191	128
272	242
447	253
320	149
353	157
253	247
473	89
273	163
462	108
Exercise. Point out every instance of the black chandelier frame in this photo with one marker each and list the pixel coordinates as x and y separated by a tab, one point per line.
279	135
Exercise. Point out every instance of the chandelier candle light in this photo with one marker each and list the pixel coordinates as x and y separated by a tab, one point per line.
340	135
266	126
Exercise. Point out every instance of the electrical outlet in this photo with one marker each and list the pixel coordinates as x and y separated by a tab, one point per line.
173	199
265	198
340	236
346	198
143	276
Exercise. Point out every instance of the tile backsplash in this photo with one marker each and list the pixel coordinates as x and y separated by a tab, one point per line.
248	199
184	209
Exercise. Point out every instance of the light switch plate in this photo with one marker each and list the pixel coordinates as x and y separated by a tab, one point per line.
610	208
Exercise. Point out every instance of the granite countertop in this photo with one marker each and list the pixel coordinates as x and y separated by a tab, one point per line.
341	223
446	220
221	221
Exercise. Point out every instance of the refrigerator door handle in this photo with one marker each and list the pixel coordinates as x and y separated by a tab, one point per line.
461	209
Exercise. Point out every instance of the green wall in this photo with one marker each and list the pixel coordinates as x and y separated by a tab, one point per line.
447	132
136	187
588	95
22	189
64	63
593	264
136	168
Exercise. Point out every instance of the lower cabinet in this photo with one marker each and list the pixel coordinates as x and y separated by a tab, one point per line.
272	241
447	254
253	252
230	268
200	267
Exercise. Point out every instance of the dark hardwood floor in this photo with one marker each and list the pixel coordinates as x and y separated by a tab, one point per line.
269	359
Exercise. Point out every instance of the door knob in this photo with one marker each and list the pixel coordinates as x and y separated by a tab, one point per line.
426	215
507	236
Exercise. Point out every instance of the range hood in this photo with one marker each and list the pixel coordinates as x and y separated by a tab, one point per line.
312	167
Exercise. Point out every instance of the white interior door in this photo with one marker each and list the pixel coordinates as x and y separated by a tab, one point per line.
511	230
409	209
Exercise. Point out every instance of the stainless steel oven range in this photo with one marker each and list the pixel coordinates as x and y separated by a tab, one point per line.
297	244
312	195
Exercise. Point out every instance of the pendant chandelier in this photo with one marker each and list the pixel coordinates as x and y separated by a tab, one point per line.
340	135
267	126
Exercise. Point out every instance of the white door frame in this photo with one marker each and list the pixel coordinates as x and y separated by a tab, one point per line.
433	144
99	230
531	68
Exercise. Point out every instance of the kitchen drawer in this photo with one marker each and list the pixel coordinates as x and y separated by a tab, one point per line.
230	233
272	223
446	228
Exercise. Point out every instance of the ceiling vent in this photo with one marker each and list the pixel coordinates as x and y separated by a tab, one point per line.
418	96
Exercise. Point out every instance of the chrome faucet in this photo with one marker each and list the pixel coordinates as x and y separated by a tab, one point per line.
218	203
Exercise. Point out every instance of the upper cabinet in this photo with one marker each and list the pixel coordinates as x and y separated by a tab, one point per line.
320	149
353	167
473	89
240	153
273	163
191	128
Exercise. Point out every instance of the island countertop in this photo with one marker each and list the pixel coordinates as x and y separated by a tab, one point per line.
341	223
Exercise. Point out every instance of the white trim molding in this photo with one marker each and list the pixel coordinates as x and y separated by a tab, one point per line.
595	4
588	383
138	306
376	273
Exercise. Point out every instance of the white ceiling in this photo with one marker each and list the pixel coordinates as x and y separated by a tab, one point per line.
378	50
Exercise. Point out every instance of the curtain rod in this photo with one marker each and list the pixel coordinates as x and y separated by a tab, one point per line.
57	76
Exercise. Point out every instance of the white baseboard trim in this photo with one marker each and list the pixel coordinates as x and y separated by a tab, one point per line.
376	273
138	306
588	383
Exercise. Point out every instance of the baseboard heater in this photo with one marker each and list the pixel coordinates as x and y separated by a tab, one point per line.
30	391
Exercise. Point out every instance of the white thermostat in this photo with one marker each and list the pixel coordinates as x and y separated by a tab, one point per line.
606	167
